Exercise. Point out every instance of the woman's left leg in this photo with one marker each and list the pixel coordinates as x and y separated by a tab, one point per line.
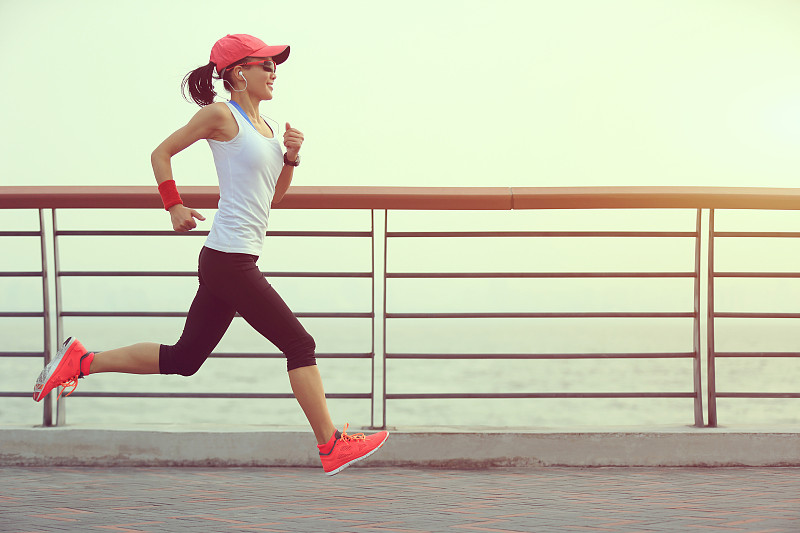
307	387
243	286
269	315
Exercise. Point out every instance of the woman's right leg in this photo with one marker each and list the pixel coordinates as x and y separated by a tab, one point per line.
141	358
207	321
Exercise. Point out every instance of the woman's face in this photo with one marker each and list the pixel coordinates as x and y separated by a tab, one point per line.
260	75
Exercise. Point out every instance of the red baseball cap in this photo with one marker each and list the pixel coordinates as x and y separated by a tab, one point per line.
233	48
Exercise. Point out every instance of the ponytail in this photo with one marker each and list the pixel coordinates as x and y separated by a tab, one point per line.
201	82
201	85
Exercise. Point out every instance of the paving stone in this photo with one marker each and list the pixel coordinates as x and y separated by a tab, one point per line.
410	500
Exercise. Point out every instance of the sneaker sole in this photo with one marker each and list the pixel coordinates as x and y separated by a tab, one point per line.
357	459
60	358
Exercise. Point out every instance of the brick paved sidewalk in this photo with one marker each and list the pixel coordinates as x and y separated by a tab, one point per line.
399	500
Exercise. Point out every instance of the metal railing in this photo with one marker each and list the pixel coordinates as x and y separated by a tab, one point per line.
381	202
44	314
696	393
58	236
713	354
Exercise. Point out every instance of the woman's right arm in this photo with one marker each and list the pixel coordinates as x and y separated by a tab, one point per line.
205	124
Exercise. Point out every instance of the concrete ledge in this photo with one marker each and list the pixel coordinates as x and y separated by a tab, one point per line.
444	447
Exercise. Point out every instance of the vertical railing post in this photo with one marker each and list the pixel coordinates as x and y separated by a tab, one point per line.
385	332
697	362
373	322
47	415
379	323
61	407
712	386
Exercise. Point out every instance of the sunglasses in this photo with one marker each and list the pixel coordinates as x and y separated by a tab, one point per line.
268	65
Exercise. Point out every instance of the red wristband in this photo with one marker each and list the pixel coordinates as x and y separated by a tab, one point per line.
169	194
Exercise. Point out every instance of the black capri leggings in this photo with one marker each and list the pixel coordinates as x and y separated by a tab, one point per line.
230	283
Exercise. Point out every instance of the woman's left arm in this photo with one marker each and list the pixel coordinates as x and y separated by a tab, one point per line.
293	140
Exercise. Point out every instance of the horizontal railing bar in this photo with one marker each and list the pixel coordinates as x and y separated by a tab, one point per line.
36	314
541	315
417	198
319	234
756	354
264	395
758	394
16	394
535	275
540	355
788	234
246	355
756	315
21	274
130	233
167	233
503	395
149	273
231	355
20	233
648	234
179	314
21	354
655	197
756	274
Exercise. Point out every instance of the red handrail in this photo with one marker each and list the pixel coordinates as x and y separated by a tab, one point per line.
655	197
419	198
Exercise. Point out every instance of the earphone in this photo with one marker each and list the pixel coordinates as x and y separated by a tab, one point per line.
231	84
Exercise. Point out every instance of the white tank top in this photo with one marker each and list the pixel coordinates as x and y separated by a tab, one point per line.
248	167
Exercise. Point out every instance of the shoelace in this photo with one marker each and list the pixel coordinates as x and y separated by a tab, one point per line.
72	382
346	438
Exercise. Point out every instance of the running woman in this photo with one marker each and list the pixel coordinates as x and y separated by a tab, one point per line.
254	172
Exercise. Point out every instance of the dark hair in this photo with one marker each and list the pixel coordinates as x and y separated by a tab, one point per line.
200	82
201	85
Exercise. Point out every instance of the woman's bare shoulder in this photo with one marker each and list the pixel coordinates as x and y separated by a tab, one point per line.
214	121
217	110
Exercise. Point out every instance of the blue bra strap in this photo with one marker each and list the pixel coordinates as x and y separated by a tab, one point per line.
237	106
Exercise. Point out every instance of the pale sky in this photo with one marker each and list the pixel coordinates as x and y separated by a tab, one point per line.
420	93
417	93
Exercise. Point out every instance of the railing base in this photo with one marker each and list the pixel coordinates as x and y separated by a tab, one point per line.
439	447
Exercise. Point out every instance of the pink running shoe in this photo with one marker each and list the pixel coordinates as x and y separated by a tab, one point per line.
344	450
64	369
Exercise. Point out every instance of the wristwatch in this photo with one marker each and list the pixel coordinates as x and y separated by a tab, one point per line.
294	163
